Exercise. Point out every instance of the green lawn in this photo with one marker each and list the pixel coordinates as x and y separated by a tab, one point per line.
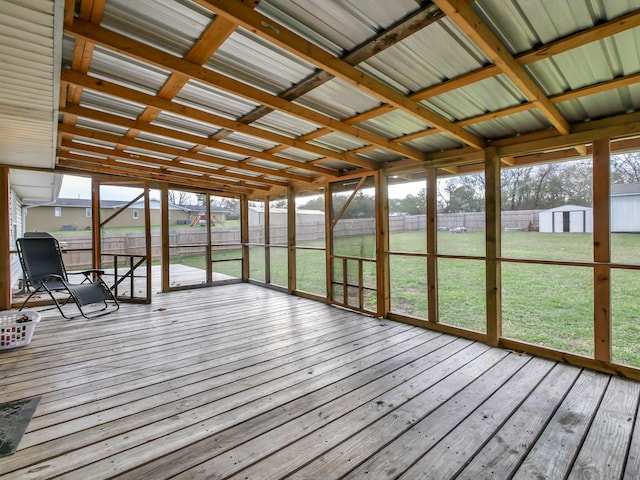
548	305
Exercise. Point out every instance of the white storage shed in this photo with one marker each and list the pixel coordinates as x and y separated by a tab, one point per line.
566	218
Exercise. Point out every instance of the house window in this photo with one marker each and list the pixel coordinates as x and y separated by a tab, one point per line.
135	214
57	211
87	212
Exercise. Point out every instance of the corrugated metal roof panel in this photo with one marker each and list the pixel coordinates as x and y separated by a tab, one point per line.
129	72
30	51
222	154
338	141
169	26
250	59
433	143
478	98
109	104
209	99
511	125
338	99
100	126
394	124
297	154
285	124
161	140
380	155
435	53
247	141
184	124
337	26
522	24
141	152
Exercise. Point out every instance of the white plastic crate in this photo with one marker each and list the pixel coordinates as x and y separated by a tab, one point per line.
16	328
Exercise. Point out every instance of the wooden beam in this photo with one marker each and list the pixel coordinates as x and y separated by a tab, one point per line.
613	127
471	24
284	38
130	47
602	249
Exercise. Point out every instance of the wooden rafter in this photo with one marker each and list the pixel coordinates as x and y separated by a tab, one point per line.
136	96
175	152
127	46
297	45
221	173
102	168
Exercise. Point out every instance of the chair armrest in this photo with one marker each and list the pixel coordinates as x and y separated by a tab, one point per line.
86	273
93	270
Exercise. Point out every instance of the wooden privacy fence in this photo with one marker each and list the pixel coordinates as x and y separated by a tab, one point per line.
191	241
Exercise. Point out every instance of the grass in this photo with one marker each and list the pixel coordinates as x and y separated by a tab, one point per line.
547	305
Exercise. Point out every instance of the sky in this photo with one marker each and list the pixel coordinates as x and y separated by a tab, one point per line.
80	187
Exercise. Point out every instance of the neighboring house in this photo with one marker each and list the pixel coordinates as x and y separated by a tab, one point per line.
76	213
625	207
219	215
566	218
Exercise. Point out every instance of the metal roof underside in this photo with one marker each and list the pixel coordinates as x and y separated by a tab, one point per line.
249	97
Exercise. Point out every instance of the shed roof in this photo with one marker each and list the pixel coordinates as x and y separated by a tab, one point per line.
250	97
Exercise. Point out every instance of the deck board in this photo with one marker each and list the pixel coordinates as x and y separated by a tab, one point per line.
239	381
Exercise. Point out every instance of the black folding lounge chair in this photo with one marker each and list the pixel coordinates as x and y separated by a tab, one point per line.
44	271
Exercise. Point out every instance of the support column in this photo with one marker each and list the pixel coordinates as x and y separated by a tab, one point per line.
382	250
165	253
95	224
493	244
5	240
432	244
244	238
291	239
602	249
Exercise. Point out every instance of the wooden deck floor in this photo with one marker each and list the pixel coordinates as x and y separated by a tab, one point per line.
244	382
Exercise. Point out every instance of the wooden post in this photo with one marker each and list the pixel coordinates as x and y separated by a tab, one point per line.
267	240
432	244
291	238
244	237
147	238
602	249
165	252
208	250
5	240
96	231
328	240
382	244
493	241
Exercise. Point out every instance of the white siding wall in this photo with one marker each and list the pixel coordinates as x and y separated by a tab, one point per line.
15	231
625	213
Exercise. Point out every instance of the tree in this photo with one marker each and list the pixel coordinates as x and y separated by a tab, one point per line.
178	197
625	168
